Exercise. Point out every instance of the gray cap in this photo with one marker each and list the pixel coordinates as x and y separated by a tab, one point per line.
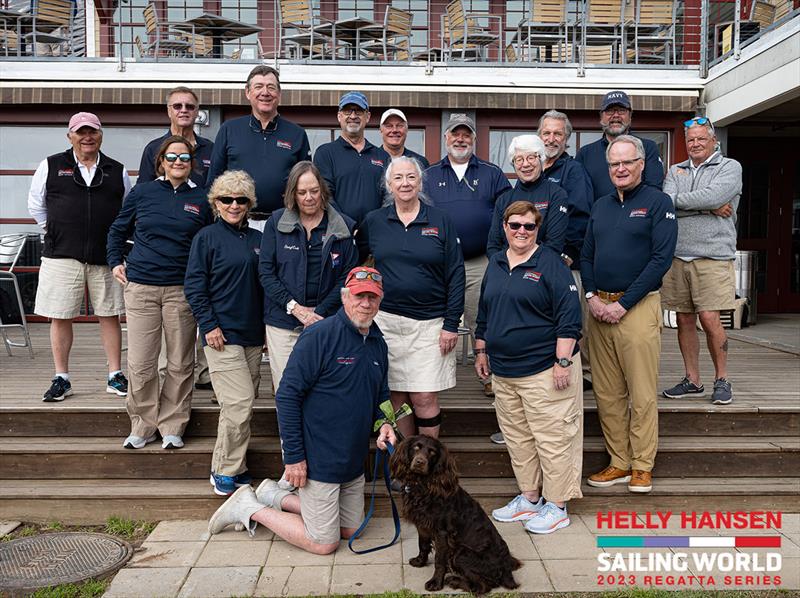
460	120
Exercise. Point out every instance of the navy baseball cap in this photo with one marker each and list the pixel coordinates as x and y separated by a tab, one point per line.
354	97
616	98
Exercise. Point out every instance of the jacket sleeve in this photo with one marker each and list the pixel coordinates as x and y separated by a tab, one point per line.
147	166
302	370
497	239
197	283
501	184
305	148
558	215
483	310
724	187
349	260
455	278
587	260
219	156
322	160
383	393
580	198
653	166
663	239
122	228
268	266
566	303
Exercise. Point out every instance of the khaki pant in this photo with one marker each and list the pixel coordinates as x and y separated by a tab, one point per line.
200	364
543	429
474	269
585	315
280	343
625	371
150	310
235	375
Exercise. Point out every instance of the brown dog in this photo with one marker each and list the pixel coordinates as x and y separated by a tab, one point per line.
469	552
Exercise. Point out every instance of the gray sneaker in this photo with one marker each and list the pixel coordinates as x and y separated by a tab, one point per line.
497	438
722	392
685	388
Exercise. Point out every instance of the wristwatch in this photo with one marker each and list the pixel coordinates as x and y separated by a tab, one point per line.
563	362
290	306
589	295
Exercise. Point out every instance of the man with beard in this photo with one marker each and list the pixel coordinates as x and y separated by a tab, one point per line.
351	166
615	119
466	188
329	397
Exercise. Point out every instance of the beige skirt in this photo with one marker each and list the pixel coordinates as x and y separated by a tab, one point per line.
415	362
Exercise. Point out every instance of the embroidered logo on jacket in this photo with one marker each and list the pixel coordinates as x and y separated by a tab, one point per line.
284	144
431	231
65	172
291	247
345	360
191	208
335	259
670	215
638	213
541	205
532	275
376	162
257	250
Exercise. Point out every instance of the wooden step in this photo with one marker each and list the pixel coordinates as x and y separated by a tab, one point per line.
86	502
104	458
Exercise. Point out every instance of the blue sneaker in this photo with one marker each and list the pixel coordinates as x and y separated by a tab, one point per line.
242	479
519	509
118	385
549	519
224	485
60	388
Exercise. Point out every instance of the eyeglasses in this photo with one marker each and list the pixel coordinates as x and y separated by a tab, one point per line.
352	111
699	120
364	275
531	158
240	201
625	163
178	106
171	157
528	226
616	110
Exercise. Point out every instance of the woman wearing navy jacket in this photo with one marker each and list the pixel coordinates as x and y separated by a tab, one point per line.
223	290
306	252
529	322
163	216
417	251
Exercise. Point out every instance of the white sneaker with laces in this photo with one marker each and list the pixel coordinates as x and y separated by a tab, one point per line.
137	442
549	519
171	441
519	509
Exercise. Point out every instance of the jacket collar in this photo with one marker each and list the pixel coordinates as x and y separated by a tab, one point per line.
255	124
421	218
337	227
374	331
445	162
715	160
560	161
529	187
347	145
189	183
234	229
631	193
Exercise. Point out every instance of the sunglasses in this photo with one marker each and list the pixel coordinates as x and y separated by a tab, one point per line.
170	157
178	106
240	201
364	275
698	120
528	226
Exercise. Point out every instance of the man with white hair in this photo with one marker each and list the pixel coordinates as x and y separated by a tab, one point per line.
630	242
394	132
467	188
701	282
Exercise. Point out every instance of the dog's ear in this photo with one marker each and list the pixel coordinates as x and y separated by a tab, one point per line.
445	470
398	464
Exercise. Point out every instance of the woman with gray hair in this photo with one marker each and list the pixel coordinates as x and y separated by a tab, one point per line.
417	251
527	154
306	251
223	290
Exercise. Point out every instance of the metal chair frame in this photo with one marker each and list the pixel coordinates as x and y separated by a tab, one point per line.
11	247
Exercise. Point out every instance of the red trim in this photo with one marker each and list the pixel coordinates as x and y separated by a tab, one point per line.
17	221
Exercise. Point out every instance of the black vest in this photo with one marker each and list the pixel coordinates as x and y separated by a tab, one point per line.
79	216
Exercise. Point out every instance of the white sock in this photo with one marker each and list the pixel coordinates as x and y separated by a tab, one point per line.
62	375
114	373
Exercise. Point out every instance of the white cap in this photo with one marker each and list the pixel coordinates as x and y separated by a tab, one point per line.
393	112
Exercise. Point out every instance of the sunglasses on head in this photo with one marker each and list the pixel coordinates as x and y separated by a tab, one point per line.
364	275
241	201
698	120
178	106
528	226
171	157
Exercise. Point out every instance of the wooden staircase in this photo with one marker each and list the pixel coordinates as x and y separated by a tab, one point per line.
65	461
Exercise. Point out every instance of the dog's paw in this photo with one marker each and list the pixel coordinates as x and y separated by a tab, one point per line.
418	561
433	585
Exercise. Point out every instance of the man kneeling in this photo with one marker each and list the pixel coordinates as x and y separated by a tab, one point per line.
327	401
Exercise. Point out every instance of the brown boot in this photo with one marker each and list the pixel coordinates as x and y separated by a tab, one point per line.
608	477
641	481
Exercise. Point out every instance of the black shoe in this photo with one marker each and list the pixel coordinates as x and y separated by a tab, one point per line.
203	386
587	385
58	391
118	385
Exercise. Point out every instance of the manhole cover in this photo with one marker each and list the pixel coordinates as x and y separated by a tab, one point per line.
64	557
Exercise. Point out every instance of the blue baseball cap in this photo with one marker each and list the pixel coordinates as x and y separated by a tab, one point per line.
616	98
354	97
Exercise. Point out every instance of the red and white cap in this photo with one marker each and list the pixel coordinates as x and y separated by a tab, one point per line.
84	119
363	280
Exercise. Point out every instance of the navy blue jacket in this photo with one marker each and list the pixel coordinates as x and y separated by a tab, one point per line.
422	266
328	398
469	202
571	176
267	155
282	267
593	159
163	222
221	283
423	161
549	199
524	311
629	245
355	179
202	160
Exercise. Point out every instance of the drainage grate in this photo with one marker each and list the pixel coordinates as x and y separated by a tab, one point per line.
64	557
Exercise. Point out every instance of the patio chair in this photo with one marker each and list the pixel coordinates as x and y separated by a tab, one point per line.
163	38
468	52
201	45
560	52
49	19
604	24
600	54
464	32
654	31
396	29
545	24
9	42
298	27
12	310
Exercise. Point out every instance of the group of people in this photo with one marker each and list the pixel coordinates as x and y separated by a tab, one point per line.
245	242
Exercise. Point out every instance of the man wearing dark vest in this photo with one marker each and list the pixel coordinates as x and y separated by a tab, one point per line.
75	196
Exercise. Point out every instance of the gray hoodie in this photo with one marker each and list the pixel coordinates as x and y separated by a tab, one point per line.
701	233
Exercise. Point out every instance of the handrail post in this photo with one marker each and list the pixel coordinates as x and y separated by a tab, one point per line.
704	39
582	49
120	59
737	21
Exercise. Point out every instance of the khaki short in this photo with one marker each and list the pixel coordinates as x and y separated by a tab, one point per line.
327	508
699	285
415	362
61	285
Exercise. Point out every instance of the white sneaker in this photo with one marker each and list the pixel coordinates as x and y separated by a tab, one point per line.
519	509
548	519
172	442
137	442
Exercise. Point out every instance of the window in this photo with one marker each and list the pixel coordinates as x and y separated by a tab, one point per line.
356	8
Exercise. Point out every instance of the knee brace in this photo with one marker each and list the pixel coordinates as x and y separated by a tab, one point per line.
428	422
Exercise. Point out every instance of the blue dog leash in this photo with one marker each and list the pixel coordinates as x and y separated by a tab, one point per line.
379	457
